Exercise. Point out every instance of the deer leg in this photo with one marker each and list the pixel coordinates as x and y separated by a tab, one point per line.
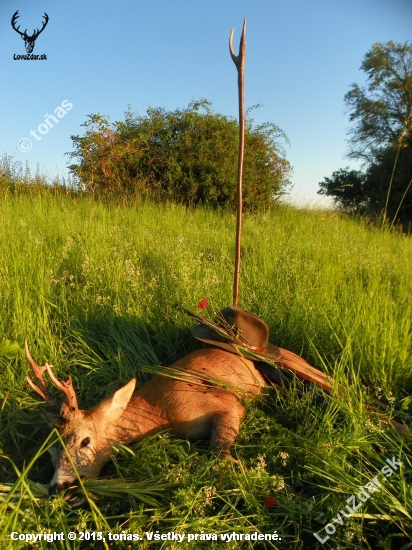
225	427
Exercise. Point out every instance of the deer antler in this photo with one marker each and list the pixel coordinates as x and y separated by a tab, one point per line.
46	20
24	34
40	386
13	23
66	387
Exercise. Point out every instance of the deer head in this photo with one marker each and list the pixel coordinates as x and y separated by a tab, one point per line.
29	41
88	436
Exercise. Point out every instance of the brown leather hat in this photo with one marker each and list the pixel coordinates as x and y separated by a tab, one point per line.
248	331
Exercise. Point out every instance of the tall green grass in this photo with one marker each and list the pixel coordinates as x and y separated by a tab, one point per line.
93	288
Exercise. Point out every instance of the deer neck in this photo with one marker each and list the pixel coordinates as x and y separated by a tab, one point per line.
139	420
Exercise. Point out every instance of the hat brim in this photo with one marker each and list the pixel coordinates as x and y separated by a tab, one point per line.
207	335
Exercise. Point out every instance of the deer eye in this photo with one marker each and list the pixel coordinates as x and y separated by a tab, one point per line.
85	442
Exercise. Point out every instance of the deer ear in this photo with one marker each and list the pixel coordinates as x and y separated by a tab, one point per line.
116	405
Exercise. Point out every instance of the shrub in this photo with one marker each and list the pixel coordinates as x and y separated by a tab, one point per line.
188	156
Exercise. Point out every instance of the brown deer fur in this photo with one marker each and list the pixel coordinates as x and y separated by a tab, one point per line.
193	409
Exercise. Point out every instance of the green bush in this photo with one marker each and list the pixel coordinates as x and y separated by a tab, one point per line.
345	186
189	156
382	190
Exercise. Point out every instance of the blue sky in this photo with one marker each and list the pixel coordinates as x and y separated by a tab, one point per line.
302	55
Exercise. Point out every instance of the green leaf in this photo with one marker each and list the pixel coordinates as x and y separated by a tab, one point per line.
8	349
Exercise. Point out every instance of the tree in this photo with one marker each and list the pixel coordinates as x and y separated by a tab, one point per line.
187	155
381	137
346	187
380	110
387	186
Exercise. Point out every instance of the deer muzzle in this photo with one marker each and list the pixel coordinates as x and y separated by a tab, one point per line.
69	491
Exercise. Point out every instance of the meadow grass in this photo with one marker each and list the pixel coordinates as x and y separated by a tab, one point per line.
93	288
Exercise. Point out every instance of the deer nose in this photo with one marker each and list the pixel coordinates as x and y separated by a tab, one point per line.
70	490
59	488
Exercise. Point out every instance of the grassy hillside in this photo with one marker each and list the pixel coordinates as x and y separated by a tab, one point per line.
93	289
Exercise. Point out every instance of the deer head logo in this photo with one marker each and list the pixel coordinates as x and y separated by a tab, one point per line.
29	41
